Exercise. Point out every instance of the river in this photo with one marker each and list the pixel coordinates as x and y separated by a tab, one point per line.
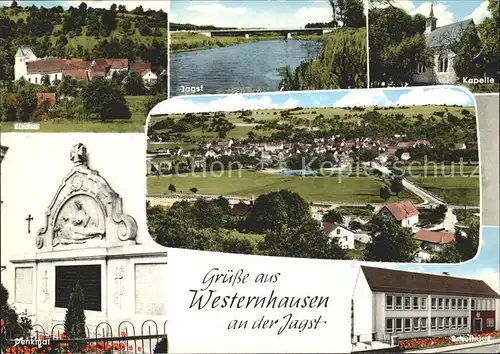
248	67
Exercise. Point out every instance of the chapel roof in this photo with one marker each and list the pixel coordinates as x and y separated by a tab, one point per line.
445	35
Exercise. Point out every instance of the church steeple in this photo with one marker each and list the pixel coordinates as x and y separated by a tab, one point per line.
431	22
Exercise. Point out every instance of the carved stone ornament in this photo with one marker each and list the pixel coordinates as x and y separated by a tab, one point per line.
85	210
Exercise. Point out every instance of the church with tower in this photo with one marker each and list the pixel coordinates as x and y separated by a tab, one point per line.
440	40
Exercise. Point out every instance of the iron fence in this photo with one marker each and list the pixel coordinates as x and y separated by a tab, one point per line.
102	339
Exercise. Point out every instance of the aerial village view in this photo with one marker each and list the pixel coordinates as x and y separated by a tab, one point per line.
78	68
393	184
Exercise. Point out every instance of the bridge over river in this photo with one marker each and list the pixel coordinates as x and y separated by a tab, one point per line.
258	31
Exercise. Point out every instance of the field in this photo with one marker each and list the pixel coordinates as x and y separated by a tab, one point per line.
89	42
455	190
439	170
307	117
354	190
187	41
136	122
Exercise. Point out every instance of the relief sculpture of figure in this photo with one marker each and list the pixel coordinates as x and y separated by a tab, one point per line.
77	227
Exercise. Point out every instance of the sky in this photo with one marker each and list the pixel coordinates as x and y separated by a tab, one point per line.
130	5
439	95
253	13
448	12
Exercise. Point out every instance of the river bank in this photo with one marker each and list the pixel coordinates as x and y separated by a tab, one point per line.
187	42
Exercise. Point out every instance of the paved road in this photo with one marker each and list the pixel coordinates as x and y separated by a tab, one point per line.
491	348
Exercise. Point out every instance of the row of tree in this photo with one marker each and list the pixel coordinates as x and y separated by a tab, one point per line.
285	226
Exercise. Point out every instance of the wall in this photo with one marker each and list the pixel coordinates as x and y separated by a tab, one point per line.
349	243
363	307
483	315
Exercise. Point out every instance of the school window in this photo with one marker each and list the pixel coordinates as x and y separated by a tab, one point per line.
389	325
443	64
459	304
407	303
423	324
472	304
399	325
416	303
441	303
448	304
36	80
338	231
493	305
454	304
447	322
453	322
466	322
407	324
389	302
466	304
433	303
490	322
416	324
399	302
440	322
460	323
423	303
433	323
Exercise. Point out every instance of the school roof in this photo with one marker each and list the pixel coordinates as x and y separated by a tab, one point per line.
446	35
390	280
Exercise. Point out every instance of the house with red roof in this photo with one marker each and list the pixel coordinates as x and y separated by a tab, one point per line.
404	213
33	69
143	69
50	97
434	240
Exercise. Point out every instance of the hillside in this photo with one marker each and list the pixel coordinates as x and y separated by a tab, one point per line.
83	32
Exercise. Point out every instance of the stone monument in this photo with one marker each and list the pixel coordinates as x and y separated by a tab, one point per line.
88	239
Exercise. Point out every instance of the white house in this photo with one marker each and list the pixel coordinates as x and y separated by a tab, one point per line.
343	234
404	213
391	303
440	39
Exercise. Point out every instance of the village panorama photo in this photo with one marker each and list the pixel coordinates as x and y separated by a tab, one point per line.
82	67
386	181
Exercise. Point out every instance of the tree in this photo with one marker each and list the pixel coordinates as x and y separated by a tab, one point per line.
134	85
489	39
171	188
397	185
467	241
193	190
390	242
309	241
467	61
105	99
74	321
333	216
353	13
126	25
385	193
46	80
68	87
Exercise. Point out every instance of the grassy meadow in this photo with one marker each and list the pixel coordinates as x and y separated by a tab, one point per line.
136	122
455	190
355	190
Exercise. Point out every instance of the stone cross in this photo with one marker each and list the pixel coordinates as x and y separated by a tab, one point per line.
29	219
119	286
45	288
79	154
